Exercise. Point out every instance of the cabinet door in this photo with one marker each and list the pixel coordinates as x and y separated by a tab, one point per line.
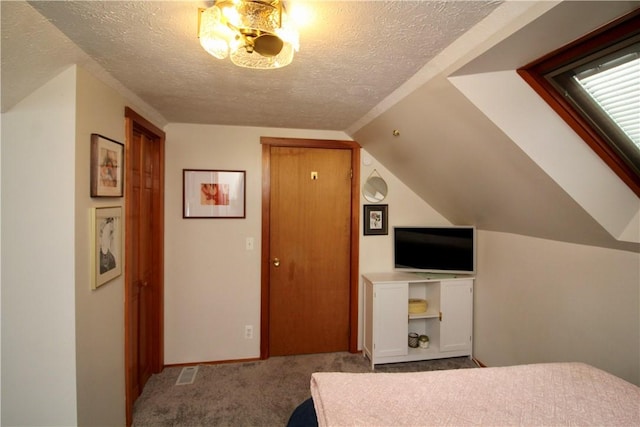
456	306
390	319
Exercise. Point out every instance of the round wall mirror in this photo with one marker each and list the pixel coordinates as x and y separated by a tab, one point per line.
374	189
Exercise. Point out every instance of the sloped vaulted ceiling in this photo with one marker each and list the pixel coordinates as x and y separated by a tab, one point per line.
469	165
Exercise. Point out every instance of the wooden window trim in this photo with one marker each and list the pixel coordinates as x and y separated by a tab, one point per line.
534	73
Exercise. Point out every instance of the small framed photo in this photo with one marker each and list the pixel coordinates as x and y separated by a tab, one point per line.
375	220
107	161
213	193
106	258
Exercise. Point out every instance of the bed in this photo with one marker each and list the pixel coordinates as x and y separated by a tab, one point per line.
549	394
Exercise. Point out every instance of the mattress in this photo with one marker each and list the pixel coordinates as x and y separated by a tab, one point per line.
549	394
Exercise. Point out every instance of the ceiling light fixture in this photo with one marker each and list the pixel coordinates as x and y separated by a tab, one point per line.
253	33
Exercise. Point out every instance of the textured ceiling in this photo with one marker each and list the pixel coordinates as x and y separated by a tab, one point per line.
353	55
362	69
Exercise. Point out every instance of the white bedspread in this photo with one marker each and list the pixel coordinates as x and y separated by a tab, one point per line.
550	394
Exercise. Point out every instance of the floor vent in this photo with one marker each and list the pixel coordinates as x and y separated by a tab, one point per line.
187	375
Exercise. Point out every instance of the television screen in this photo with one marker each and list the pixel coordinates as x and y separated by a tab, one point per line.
435	249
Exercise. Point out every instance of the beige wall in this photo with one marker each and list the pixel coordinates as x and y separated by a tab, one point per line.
63	343
212	283
100	312
535	300
502	96
404	208
545	301
38	315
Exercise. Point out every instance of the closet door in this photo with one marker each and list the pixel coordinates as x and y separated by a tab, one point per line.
144	250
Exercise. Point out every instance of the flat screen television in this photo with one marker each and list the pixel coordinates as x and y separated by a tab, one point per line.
449	249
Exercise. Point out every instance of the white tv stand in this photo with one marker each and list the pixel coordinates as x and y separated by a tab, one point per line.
448	320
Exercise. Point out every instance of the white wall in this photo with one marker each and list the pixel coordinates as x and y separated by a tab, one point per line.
99	313
38	313
544	301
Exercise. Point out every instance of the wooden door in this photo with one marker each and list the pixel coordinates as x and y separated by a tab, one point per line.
144	254
310	250
144	157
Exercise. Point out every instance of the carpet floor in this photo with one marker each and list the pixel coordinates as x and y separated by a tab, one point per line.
258	393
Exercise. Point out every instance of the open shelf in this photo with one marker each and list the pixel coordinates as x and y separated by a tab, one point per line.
425	315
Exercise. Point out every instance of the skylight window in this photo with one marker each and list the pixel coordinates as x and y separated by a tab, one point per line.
616	88
594	85
604	88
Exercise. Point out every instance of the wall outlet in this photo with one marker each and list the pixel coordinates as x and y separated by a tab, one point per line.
248	332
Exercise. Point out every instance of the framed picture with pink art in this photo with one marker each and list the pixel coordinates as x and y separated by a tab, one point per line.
106	254
107	172
213	193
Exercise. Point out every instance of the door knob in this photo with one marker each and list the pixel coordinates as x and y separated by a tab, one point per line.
276	262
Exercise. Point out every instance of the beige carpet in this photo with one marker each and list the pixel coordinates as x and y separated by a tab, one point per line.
261	393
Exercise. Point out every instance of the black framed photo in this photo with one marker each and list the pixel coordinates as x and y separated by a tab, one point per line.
375	220
107	160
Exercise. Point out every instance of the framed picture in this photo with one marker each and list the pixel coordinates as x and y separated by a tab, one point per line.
213	193
106	258
375	220
107	161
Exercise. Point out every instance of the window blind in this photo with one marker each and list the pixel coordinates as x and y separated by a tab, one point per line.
617	91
